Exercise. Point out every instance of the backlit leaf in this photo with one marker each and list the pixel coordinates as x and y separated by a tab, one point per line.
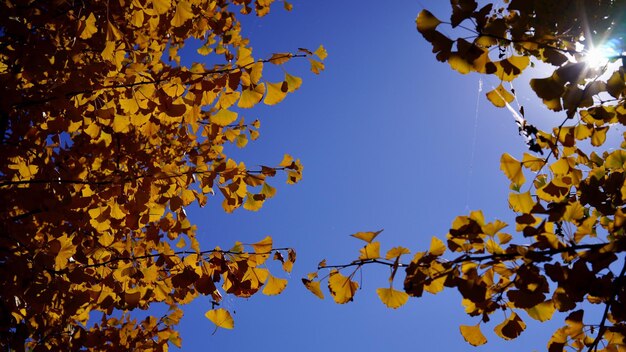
276	92
392	298
542	312
426	21
366	236
437	247
223	117
274	286
500	96
473	335
511	328
293	82
321	52
341	287
221	318
396	252
521	202
370	251
512	169
314	287
263	246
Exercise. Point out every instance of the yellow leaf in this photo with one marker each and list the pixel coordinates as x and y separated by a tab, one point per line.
314	287
542	311
366	236
120	123
263	246
316	66
183	13
241	141
532	162
459	64
244	57
280	58
89	28
560	167
64	249
256	70
511	328
204	50
395	252
437	247
293	82
392	298
274	286
223	117
276	92
250	97
473	335
521	202
341	287
161	6
370	251
287	161
156	212
500	96
512	169
321	52
220	317
426	21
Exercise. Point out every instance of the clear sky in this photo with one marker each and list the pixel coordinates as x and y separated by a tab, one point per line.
389	138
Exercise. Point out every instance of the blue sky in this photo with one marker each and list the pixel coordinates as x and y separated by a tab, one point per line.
389	138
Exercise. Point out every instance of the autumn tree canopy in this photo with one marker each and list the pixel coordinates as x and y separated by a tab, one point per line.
565	252
105	138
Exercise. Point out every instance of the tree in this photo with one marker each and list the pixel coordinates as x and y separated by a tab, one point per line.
105	138
568	192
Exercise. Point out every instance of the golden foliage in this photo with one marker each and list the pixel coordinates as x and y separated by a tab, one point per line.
570	218
105	140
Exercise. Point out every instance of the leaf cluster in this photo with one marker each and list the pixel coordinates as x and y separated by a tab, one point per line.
105	139
568	195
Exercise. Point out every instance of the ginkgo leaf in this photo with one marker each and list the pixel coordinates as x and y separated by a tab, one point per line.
276	92
316	66
532	162
280	58
500	96
274	286
367	236
221	318
89	28
473	335
512	169
183	13
521	202
321	52
392	298
64	249
341	287
287	161
263	246
542	311
250	97
161	6
223	117
370	251
437	247
293	82
396	252
426	21
511	328
314	287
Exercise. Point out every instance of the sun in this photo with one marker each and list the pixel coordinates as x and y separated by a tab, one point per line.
596	57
